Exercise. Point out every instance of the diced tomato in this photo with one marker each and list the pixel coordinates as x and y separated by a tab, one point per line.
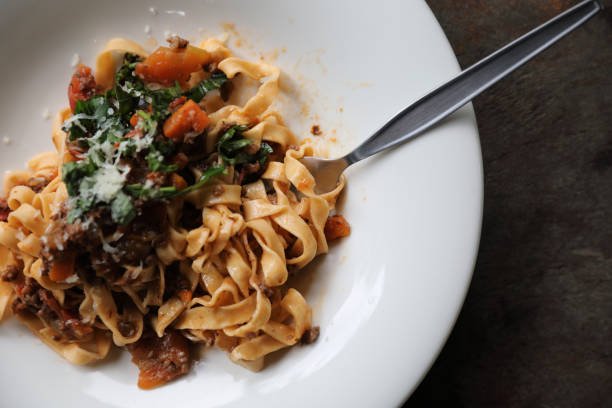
82	85
160	359
167	65
188	118
336	227
62	268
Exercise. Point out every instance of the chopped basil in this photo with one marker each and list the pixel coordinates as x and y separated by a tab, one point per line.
155	161
204	179
122	209
216	81
231	148
265	150
150	193
73	172
144	192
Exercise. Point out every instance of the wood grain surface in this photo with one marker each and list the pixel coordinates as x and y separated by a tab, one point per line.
536	327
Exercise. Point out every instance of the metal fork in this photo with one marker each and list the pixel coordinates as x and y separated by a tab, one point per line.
446	99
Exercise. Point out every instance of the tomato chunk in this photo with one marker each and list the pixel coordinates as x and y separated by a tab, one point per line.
160	359
188	118
336	227
167	65
82	85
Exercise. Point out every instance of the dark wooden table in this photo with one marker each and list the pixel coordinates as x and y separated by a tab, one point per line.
536	327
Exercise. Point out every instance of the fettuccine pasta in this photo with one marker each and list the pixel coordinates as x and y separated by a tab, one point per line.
172	211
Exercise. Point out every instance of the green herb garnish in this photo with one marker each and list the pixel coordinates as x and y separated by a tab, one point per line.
101	127
122	209
216	81
232	144
144	192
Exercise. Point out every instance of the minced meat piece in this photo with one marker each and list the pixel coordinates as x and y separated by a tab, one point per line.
32	298
336	227
4	210
10	273
160	359
311	335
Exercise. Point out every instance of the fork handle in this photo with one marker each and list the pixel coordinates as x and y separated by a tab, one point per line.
451	96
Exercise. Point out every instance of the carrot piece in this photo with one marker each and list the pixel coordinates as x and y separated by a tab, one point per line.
62	268
188	118
167	65
336	227
134	120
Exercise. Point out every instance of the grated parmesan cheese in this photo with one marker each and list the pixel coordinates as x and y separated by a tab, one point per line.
147	29
109	248
107	183
72	278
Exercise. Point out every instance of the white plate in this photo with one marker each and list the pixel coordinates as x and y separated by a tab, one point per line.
385	298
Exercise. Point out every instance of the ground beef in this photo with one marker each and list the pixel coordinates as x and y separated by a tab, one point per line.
4	210
160	359
10	273
136	243
34	299
316	130
177	42
336	227
144	233
310	336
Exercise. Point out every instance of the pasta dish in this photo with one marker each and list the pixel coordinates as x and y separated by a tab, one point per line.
171	213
